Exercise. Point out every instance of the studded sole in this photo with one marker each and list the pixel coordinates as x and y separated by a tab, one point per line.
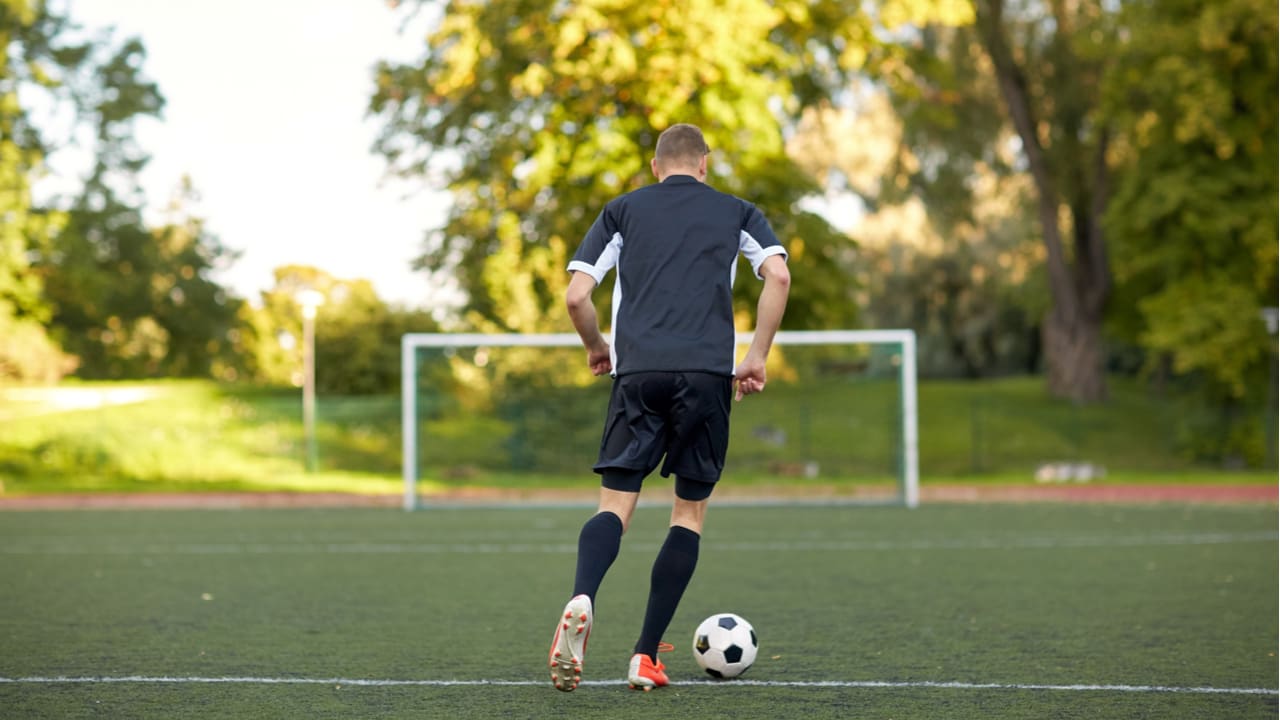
566	674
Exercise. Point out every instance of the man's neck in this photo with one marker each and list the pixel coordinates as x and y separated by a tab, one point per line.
687	173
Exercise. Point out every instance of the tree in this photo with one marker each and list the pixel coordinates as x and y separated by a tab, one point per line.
98	269
357	335
130	300
1148	129
31	55
1048	61
198	314
1194	215
271	341
1195	211
945	243
535	113
81	267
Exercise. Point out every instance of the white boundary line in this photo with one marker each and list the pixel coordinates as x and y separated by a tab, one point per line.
866	684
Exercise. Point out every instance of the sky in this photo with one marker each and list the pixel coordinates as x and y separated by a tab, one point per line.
266	113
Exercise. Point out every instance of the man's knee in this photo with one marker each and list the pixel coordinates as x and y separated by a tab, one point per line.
622	504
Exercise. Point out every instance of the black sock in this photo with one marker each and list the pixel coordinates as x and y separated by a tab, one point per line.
598	545
672	571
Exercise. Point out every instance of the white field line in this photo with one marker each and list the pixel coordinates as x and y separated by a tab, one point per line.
866	684
30	546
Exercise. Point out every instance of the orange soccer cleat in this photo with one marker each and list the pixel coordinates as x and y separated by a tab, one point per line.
645	674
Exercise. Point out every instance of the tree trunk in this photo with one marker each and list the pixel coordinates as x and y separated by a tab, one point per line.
1074	356
1072	333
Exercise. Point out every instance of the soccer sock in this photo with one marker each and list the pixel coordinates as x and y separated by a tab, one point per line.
672	571
598	545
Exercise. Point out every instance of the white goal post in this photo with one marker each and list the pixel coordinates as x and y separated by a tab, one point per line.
906	366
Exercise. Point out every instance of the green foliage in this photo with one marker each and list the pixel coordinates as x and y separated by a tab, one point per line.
358	342
536	113
82	272
357	335
971	320
994	134
1150	130
946	243
29	53
132	301
1046	59
953	129
27	355
136	302
1195	212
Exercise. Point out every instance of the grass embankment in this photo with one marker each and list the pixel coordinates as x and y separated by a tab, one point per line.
199	436
191	436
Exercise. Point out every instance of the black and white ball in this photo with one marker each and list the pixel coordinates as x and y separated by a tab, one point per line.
725	645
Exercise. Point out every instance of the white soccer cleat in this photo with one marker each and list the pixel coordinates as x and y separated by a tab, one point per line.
569	644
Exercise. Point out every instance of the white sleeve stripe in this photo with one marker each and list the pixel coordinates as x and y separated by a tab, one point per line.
756	254
592	270
603	264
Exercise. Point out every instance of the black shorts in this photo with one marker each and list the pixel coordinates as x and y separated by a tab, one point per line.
683	416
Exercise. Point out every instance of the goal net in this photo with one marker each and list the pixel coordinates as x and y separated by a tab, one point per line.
521	410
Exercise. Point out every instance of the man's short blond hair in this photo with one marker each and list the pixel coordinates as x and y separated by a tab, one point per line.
681	145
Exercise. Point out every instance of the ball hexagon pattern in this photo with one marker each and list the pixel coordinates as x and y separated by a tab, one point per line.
725	645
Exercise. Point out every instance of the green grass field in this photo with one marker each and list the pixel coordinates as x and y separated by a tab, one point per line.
948	611
197	436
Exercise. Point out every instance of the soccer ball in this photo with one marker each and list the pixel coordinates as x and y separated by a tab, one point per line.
725	645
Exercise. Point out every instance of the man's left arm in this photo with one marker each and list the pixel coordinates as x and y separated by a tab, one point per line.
750	373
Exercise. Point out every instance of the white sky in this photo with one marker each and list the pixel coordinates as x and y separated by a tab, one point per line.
266	113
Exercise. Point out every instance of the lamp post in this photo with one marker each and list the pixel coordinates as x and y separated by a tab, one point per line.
309	300
1271	316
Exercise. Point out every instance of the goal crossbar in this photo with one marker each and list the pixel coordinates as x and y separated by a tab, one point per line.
410	343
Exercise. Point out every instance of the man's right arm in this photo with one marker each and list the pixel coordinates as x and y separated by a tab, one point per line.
582	311
750	373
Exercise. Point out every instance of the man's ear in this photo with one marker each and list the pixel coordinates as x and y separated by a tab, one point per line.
653	165
702	167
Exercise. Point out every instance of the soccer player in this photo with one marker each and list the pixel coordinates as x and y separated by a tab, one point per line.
675	245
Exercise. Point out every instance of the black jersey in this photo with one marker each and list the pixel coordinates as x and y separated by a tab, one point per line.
675	245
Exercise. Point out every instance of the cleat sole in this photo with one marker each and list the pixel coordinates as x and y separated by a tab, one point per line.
566	656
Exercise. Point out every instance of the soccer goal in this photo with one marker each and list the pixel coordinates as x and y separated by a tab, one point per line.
520	410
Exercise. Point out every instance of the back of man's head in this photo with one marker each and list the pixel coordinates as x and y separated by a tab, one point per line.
680	146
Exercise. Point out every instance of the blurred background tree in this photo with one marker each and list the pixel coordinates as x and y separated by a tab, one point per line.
955	259
534	114
1048	60
1195	209
129	300
31	58
1194	214
85	284
357	335
1026	127
1050	158
133	301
